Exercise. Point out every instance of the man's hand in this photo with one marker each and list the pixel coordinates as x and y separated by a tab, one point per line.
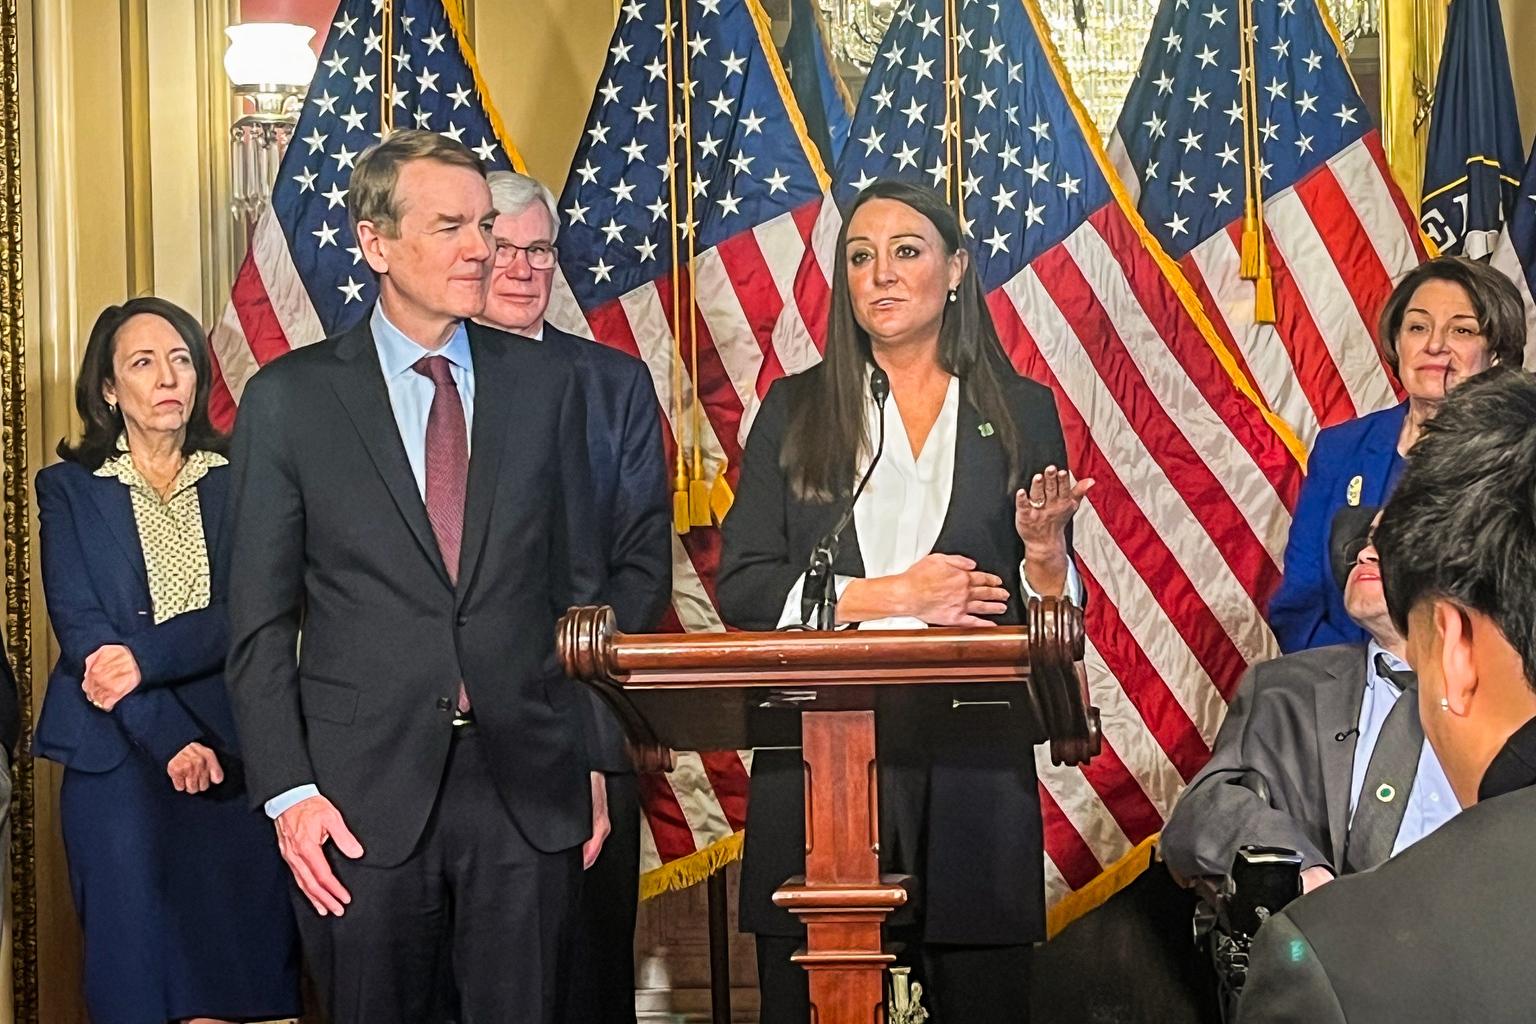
194	769
1315	877
302	831
111	673
601	826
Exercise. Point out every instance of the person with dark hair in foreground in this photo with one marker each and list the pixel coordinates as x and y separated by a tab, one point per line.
181	894
966	515
1443	932
1446	321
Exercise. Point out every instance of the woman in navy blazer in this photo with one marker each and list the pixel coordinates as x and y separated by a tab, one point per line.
1447	320
181	894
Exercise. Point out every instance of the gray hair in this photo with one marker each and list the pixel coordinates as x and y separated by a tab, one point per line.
513	193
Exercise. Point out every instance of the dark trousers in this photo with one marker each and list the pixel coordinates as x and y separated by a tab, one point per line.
602	975
474	902
961	984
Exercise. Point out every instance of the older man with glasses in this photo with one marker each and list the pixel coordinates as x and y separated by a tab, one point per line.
629	479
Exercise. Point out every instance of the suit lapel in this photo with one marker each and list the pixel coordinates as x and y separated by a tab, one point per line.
116	507
363	392
497	392
974	460
1378	456
1337	702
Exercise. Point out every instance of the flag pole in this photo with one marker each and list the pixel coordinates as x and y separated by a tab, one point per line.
387	73
681	520
1254	264
698	488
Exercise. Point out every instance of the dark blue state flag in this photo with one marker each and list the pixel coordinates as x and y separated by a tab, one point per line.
1515	254
813	75
1472	165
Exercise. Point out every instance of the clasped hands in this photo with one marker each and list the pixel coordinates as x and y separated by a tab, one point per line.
949	590
111	673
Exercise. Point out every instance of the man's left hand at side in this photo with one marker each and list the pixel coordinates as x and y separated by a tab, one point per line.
601	826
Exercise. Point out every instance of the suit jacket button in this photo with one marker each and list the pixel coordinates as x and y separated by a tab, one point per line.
444	704
463	620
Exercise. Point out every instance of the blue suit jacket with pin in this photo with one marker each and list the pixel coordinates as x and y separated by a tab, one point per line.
98	593
1308	608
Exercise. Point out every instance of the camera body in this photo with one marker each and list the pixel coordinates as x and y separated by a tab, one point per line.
1262	881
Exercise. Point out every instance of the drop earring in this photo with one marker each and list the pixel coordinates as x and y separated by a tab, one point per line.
112	408
953	295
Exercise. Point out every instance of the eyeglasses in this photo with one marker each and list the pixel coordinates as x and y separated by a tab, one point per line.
540	255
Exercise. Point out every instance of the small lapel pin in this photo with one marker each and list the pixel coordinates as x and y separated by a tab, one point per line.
1353	494
985	429
1385	792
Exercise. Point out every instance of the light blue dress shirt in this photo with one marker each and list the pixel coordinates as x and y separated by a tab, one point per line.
1432	802
410	398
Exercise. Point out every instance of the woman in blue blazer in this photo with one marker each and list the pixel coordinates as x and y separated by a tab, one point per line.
181	893
1447	320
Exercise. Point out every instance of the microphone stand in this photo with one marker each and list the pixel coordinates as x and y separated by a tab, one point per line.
818	597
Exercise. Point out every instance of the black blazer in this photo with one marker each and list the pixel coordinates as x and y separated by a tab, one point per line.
330	534
98	593
953	781
629	492
1442	932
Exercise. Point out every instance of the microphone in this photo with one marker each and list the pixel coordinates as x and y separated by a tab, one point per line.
818	598
1340	737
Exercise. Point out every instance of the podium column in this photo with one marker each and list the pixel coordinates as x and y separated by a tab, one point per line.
842	898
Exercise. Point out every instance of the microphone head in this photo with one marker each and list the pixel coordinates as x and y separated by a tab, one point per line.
879	385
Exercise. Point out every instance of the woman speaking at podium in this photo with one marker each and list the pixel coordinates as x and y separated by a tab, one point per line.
965	512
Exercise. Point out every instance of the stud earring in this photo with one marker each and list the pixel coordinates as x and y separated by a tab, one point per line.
112	408
1445	704
953	295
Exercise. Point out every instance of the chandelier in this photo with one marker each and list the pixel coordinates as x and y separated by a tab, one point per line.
1100	41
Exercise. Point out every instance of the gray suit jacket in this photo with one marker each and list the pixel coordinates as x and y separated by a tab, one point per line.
1440	933
1282	725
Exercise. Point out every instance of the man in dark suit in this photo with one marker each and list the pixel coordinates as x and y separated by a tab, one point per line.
1308	725
629	480
1443	931
412	493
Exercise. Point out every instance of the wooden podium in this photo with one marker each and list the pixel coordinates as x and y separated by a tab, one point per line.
699	691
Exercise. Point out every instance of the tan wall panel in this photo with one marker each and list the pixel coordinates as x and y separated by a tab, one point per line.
540	60
1520	31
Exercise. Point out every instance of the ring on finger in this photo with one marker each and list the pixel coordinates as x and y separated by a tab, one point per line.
1037	503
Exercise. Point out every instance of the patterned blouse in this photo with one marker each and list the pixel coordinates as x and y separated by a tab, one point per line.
170	531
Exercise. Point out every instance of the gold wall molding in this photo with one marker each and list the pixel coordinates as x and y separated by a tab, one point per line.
18	540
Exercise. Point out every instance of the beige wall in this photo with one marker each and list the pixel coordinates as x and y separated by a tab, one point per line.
541	60
1520	31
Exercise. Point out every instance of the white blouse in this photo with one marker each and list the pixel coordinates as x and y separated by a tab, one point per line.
902	510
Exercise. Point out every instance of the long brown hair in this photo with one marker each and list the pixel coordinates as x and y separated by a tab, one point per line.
102	424
827	437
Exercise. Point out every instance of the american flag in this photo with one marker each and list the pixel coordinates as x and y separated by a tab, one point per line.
695	188
303	277
1338	231
1516	252
1180	540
